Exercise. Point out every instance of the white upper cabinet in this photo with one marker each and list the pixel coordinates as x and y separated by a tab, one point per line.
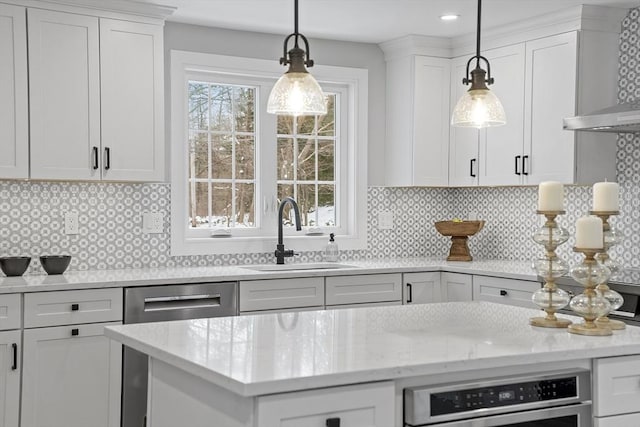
416	144
64	95
14	113
131	80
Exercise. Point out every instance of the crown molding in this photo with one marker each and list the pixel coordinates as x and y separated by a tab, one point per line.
416	45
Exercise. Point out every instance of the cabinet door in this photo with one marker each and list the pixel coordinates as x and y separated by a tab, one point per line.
501	147
463	142
504	291
131	79
456	287
616	386
422	288
368	405
279	294
64	95
9	378
550	96
366	288
14	121
618	420
71	377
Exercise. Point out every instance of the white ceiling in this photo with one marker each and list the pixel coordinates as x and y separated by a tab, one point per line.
372	21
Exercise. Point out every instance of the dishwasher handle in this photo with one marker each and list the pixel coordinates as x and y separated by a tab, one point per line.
181	302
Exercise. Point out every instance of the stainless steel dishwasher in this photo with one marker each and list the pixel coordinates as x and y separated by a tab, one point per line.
160	303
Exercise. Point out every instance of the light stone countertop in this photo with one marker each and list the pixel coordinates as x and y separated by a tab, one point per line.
273	353
171	275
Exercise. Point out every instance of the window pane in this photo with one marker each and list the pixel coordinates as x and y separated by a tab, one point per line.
327	123
244	109
221	107
245	205
198	105
306	160
326	160
198	204
245	154
286	190
307	203
326	205
306	125
221	156
285	125
221	206
285	158
198	155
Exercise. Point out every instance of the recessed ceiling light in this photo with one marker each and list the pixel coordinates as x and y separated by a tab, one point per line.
449	17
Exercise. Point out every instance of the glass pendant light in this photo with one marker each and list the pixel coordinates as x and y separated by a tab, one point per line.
297	93
478	107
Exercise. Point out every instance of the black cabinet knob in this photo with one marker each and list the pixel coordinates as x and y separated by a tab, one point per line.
503	293
75	332
75	307
333	422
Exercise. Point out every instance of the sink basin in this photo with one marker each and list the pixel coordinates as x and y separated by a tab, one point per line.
296	267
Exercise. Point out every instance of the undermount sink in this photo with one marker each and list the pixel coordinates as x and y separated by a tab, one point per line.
294	267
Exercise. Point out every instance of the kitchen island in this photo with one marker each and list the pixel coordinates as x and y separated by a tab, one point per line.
305	367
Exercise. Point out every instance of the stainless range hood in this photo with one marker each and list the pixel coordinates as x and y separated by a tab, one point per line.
623	117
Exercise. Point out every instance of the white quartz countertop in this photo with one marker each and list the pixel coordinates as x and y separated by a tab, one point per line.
272	353
170	275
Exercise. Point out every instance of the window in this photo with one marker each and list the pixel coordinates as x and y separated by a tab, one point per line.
232	162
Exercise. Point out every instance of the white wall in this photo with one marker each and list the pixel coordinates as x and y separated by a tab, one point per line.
269	46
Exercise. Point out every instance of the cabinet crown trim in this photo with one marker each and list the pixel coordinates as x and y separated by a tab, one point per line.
104	9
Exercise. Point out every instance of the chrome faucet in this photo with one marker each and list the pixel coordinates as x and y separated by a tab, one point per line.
281	253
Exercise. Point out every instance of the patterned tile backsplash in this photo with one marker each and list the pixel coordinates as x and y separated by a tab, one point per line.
110	215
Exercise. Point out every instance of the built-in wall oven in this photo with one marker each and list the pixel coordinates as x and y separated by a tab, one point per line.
557	399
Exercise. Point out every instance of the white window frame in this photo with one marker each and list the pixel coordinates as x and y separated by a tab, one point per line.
353	85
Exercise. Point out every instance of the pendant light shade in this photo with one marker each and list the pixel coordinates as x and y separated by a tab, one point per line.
297	93
478	107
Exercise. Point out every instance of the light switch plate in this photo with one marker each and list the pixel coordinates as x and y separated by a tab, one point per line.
152	223
385	220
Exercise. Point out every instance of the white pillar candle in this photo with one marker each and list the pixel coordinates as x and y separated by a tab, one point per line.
589	233
605	196
550	196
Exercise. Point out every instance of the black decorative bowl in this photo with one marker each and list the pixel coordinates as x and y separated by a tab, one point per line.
14	265
55	264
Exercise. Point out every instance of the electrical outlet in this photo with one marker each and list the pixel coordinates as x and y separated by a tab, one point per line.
71	223
152	222
385	220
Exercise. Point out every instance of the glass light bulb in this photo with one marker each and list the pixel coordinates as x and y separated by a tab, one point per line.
297	94
478	108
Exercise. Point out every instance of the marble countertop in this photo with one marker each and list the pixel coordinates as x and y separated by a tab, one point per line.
273	353
171	275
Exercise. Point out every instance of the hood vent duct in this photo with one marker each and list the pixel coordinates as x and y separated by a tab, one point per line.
622	118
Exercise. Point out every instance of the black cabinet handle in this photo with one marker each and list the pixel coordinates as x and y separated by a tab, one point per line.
471	163
333	422
14	347
75	332
107	162
95	157
524	165
410	288
75	307
503	293
517	163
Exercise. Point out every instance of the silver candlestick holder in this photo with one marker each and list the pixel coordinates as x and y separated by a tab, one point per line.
610	238
550	298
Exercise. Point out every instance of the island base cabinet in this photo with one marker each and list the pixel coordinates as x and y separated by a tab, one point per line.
9	378
364	405
71	377
618	421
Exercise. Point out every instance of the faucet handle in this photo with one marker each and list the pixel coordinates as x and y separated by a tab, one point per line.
296	254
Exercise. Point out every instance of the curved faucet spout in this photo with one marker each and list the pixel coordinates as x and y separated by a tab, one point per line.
280	252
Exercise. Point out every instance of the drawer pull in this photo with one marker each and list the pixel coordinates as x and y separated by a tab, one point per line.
75	332
410	289
333	422
181	302
75	307
14	348
503	293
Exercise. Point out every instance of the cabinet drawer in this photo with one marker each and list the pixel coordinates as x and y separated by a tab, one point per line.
504	291
72	307
618	421
10	311
617	386
367	405
366	288
281	293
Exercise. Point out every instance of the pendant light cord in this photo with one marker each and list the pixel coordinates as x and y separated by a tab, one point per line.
295	22
477	33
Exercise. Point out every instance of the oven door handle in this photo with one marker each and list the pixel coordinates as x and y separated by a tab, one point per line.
181	302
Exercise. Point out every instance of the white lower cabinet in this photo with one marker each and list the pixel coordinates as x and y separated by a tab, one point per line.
616	385
282	294
10	346
366	288
421	288
364	405
456	287
504	291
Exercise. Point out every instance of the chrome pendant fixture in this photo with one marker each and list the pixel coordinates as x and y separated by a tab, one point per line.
297	93
478	107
